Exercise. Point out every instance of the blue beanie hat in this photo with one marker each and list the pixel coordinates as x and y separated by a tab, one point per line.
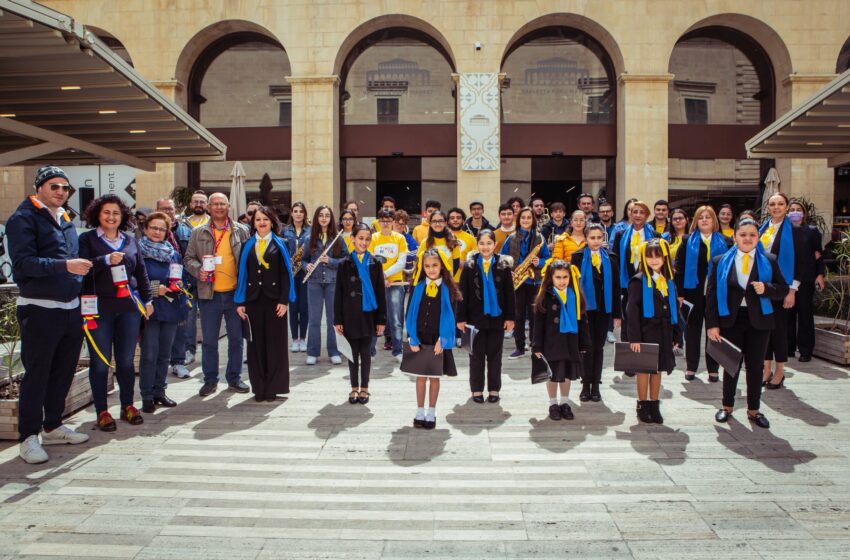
48	172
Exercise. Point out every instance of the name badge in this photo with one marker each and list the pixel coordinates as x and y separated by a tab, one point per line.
88	305
175	271
218	259
119	274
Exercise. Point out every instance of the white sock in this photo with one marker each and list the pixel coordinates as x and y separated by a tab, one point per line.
553	400
420	413
564	399
432	414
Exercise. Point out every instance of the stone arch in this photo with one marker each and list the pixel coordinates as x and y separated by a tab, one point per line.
843	62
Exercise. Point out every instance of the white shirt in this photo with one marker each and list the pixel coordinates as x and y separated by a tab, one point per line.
438	281
739	271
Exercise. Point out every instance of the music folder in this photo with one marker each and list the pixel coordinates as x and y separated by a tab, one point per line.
540	370
423	363
467	338
247	331
685	310
727	355
645	361
344	347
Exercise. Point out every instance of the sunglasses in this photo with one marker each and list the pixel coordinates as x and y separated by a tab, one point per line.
64	186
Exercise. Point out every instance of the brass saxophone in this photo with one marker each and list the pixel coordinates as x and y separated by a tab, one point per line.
296	259
524	271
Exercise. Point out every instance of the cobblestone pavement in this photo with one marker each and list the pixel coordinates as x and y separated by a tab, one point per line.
315	477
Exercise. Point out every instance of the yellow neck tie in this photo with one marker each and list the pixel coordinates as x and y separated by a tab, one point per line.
661	285
486	266
431	289
562	295
635	245
707	249
596	261
766	236
262	248
746	264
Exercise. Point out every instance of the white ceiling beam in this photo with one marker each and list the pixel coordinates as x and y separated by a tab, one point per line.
21	155
23	129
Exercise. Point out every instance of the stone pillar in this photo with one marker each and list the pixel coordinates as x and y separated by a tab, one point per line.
315	140
809	178
153	185
642	138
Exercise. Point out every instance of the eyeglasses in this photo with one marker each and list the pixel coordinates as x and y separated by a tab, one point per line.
345	219
64	186
438	221
158	229
678	218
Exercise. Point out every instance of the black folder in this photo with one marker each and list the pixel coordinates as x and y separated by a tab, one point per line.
685	311
423	363
247	331
645	361
727	355
540	370
467	338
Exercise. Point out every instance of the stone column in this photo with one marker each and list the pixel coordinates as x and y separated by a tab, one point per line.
153	185
642	138
315	140
809	178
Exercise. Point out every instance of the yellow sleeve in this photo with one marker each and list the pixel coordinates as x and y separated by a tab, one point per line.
558	249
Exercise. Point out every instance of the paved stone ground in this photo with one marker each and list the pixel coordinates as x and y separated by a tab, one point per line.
314	477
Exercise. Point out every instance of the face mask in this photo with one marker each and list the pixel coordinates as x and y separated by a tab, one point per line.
796	217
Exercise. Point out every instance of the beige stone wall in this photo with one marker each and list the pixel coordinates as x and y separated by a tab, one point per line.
164	38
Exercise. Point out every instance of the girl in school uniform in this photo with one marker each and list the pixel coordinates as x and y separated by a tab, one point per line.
431	320
488	304
692	266
560	333
360	309
600	284
653	317
780	238
743	287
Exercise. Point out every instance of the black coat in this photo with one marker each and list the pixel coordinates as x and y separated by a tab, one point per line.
577	260
471	308
272	282
810	265
692	294
776	290
549	340
614	253
657	329
348	299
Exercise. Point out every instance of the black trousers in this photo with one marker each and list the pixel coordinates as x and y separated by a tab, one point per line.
777	348
51	340
598	322
801	321
753	344
624	301
486	348
524	308
268	352
361	350
694	338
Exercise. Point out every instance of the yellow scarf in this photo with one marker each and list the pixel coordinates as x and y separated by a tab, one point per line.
767	235
707	248
661	284
635	244
261	244
486	266
596	261
431	289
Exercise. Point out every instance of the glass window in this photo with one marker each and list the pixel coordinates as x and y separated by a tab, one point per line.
694	182
696	111
388	111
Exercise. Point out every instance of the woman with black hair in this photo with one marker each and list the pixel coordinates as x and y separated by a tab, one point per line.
679	221
321	285
743	289
726	217
263	294
296	234
119	282
347	220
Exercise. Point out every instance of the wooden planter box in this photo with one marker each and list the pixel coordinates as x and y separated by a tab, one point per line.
79	396
831	345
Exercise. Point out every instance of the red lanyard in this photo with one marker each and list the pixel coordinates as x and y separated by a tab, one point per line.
218	240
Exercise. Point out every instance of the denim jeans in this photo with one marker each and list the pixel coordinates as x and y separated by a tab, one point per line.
118	331
395	316
156	347
178	344
318	294
298	311
212	310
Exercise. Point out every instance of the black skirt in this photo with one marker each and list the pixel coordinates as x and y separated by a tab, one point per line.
449	368
564	370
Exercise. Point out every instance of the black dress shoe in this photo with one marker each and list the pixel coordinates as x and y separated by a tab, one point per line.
164	401
271	398
258	398
722	415
363	400
417	423
478	399
655	412
643	412
493	398
352	397
239	387
780	385
584	396
759	420
804	358
429	424
629	373
594	393
567	412
208	389
148	406
690	376
555	412
714	378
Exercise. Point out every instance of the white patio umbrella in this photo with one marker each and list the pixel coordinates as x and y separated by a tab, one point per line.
238	201
771	185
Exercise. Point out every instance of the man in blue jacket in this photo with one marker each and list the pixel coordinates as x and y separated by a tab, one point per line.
44	251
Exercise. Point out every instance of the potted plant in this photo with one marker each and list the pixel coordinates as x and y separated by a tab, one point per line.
10	369
832	324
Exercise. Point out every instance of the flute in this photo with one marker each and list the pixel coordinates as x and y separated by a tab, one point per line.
325	252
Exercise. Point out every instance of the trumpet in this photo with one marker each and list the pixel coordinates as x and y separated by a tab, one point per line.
524	271
325	252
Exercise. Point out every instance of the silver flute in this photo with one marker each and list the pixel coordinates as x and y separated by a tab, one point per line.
325	252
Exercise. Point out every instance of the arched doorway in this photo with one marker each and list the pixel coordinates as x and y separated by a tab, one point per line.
397	121
558	112
723	92
237	88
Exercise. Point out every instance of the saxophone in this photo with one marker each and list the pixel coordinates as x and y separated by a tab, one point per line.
524	271
296	259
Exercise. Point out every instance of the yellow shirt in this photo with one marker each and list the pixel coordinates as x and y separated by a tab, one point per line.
197	221
674	249
420	232
565	246
466	243
501	236
225	273
349	241
728	232
390	247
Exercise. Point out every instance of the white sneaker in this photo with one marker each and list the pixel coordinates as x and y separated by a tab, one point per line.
509	334
303	345
190	358
311	360
181	371
63	434
296	346
32	452
336	360
611	338
398	358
